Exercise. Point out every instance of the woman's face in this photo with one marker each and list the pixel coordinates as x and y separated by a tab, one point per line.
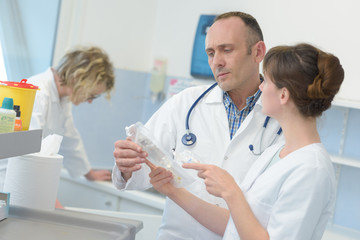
270	97
89	95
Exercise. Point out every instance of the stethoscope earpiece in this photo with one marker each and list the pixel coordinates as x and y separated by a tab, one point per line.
188	139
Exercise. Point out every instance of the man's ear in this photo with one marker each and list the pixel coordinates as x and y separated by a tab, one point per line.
259	49
284	95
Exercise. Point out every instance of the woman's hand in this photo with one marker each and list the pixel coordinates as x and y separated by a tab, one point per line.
218	181
98	175
161	179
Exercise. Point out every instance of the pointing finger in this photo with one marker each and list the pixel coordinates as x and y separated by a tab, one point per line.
195	166
150	164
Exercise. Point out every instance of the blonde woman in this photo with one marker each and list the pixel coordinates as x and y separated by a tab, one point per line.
81	76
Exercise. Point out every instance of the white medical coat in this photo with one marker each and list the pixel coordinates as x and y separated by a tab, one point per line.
294	198
54	116
209	123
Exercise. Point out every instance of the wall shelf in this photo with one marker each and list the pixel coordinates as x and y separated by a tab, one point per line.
345	161
20	143
336	232
340	102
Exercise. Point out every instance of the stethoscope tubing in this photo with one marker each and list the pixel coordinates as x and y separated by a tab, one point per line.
194	104
189	138
251	146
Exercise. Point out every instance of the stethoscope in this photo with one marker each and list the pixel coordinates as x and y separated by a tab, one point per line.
251	146
189	138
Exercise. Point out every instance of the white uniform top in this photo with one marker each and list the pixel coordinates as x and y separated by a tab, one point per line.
209	123
54	116
294	198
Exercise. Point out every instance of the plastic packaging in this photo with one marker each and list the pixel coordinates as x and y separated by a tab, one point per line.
7	116
186	157
142	136
18	122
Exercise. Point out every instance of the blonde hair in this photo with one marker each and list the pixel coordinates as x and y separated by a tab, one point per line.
84	69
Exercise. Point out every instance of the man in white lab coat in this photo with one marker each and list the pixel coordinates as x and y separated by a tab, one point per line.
225	121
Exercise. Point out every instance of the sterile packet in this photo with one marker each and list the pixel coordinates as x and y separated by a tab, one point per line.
186	156
139	134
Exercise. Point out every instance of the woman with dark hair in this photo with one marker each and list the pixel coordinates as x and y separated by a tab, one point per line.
289	192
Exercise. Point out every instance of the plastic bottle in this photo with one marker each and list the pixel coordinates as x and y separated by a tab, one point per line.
157	82
18	122
7	116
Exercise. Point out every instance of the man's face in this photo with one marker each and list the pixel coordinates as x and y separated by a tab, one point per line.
226	46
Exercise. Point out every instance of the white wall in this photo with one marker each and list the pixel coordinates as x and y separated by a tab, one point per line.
124	29
330	24
135	32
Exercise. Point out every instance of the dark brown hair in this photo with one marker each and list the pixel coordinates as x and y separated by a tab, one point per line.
313	77
254	30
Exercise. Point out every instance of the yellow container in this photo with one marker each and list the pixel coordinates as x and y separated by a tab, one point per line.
23	95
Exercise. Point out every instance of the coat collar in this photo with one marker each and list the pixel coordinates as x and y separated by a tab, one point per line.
216	96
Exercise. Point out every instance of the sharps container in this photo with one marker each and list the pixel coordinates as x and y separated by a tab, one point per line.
23	95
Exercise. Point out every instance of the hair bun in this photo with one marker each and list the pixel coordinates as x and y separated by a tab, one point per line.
315	90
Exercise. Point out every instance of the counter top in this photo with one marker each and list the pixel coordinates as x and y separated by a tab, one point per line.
151	222
62	224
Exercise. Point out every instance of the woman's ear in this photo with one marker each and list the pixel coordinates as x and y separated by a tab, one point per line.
260	50
284	95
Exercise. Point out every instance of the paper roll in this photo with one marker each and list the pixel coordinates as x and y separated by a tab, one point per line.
33	180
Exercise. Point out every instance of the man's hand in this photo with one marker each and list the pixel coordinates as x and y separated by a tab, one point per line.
128	156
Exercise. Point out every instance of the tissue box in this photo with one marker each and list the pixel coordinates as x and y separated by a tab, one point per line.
4	205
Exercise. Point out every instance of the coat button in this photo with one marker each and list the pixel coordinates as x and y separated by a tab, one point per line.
226	158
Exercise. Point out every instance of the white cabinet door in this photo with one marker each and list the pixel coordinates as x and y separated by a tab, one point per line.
80	193
77	195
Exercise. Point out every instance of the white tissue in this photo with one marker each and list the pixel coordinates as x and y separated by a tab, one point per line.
33	179
50	145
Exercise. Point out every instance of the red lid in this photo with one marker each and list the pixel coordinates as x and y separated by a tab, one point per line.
21	84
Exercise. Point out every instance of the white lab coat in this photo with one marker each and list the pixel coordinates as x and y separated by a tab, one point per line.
294	198
54	116
209	123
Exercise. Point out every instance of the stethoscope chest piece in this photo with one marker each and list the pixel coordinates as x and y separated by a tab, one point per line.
188	139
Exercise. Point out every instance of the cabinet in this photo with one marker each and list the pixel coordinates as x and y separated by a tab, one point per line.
81	193
77	195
